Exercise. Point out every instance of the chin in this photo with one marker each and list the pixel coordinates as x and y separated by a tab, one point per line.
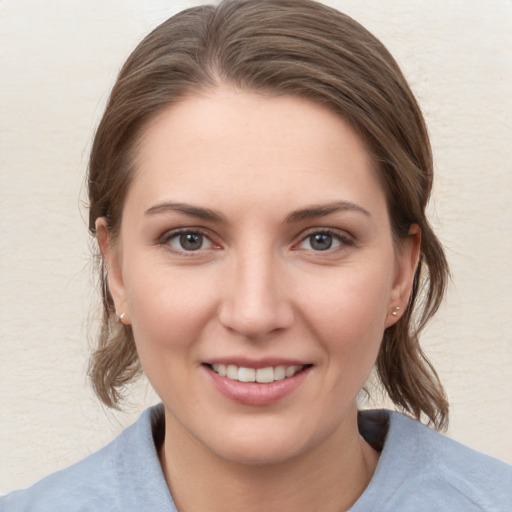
261	451
259	443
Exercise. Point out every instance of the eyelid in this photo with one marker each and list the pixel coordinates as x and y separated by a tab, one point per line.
168	235
342	236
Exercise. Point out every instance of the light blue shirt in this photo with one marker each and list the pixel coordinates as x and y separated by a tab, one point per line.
419	470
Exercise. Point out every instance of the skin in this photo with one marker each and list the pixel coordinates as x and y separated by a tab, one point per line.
256	289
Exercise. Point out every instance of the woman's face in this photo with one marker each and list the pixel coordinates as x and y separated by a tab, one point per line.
255	241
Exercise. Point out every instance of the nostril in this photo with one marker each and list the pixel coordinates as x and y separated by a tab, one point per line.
256	324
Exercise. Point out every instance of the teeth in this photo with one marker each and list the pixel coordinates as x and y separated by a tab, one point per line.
246	374
264	374
279	373
231	372
261	375
291	370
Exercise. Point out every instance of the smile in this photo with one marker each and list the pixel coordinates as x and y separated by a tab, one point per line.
261	375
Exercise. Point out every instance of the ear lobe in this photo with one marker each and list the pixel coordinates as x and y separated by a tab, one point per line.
407	258
112	258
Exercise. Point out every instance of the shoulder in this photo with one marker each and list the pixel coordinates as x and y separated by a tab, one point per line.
471	473
108	480
421	469
68	489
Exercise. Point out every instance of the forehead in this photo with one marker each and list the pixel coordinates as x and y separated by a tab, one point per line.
241	146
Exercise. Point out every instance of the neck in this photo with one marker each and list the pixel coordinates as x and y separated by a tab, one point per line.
329	477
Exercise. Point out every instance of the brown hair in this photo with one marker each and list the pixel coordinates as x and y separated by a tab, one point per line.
293	47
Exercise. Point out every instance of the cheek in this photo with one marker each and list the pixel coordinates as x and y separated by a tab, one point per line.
348	311
168	309
169	313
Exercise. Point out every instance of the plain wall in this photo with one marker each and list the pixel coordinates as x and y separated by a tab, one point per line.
58	62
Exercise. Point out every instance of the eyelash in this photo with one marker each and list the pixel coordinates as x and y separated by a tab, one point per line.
342	239
167	237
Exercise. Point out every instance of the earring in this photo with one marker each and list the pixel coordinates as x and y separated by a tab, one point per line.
121	316
395	312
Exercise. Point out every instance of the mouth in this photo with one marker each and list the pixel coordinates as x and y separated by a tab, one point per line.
265	375
257	384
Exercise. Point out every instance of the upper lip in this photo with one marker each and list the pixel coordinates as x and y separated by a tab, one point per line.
256	363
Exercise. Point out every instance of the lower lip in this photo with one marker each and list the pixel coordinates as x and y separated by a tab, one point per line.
254	393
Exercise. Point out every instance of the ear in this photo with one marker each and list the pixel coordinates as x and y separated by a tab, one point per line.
406	263
113	261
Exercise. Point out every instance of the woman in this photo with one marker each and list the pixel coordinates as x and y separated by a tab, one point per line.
257	189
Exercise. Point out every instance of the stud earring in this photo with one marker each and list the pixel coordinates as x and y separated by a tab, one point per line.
121	316
395	312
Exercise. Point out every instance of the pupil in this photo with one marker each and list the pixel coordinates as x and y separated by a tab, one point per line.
321	241
191	241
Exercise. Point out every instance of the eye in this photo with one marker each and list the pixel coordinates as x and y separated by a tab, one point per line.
187	241
324	240
320	241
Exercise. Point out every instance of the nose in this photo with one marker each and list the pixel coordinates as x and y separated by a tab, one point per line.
255	302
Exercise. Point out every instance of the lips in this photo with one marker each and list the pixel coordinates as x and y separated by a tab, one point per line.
257	384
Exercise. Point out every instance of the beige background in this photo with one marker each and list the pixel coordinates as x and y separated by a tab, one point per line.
58	61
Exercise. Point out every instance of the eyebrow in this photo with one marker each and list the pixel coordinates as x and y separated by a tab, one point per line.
309	212
325	209
186	209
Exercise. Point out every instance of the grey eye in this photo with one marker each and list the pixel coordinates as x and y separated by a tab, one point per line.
191	241
187	241
320	241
